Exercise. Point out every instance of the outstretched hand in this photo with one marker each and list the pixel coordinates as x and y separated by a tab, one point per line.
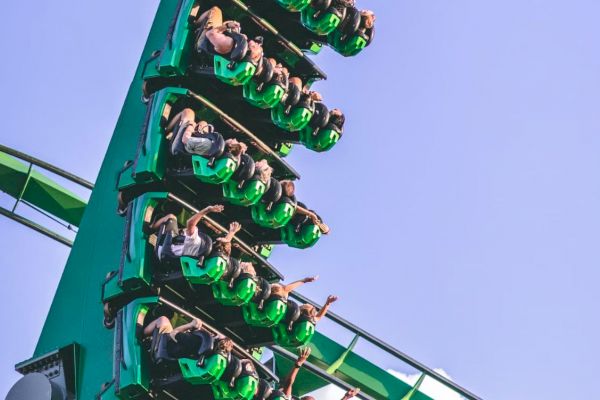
351	393
235	227
216	208
303	355
310	279
331	299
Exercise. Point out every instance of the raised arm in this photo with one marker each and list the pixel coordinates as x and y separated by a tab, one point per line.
162	220
234	228
294	285
193	221
351	393
314	218
330	300
288	383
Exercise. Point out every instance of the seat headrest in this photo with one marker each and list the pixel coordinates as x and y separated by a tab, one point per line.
263	293
293	96
320	4
351	22
264	390
233	370
266	71
245	169
240	46
273	194
233	271
208	244
218	144
320	116
371	34
208	342
292	314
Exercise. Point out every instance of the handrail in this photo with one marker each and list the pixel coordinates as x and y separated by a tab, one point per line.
215	331
243	246
390	349
262	146
47	166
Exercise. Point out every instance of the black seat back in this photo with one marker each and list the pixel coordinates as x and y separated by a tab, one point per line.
351	22
264	390
245	169
266	71
320	116
158	347
292	314
207	346
233	370
293	96
240	46
273	194
320	4
263	293
233	271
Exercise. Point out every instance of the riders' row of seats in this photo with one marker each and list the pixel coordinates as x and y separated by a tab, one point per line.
196	362
346	28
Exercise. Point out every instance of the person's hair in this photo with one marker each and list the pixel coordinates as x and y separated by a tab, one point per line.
235	149
264	171
224	247
316	96
367	15
277	290
288	187
337	117
225	345
248	268
308	310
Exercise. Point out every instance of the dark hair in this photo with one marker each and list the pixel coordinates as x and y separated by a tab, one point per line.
259	40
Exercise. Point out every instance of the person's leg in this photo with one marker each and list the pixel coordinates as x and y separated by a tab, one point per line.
187	115
161	323
222	43
211	18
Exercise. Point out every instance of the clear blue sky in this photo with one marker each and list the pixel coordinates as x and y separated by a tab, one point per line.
464	197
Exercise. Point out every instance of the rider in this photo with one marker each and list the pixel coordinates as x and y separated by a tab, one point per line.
289	190
282	290
183	128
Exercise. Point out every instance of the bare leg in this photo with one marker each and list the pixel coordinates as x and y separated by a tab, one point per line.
223	44
184	116
162	323
213	17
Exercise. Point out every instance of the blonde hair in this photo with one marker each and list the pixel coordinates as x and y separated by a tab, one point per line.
309	310
264	171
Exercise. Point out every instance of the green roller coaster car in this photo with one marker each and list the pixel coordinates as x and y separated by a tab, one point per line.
243	389
277	216
301	333
234	73
219	172
272	313
321	23
293	120
267	96
307	235
242	292
207	273
294	5
248	194
134	368
209	371
323	140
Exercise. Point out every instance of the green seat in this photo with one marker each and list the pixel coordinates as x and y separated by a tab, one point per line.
208	273
249	194
220	172
292	121
150	163
324	140
134	367
243	389
271	314
349	46
279	214
233	73
308	235
284	149
266	97
242	292
301	333
294	5
322	24
265	250
210	371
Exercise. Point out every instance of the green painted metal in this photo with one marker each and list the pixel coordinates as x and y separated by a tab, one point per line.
277	216
410	395
233	73
271	314
99	249
221	170
24	183
207	273
210	371
294	5
347	46
321	23
323	140
249	193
